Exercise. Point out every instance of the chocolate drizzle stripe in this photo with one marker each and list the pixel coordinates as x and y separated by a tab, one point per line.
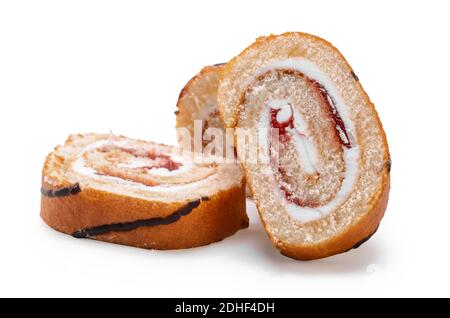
364	240
355	76
62	192
129	226
219	64
388	165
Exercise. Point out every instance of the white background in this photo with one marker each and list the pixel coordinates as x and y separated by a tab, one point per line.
81	66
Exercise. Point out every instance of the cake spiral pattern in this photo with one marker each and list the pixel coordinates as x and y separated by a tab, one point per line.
140	193
325	185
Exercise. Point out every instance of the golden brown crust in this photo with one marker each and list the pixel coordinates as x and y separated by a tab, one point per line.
357	232
361	228
213	220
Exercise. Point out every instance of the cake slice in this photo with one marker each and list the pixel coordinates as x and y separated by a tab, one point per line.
321	175
199	125
138	193
197	106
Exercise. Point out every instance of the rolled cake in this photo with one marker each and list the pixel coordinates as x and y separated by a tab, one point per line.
197	107
323	185
139	193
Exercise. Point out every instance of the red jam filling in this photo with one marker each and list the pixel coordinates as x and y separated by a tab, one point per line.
119	162
285	137
281	126
159	160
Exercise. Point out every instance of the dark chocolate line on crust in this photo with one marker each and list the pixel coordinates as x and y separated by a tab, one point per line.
62	192
364	240
129	226
355	76
388	165
219	64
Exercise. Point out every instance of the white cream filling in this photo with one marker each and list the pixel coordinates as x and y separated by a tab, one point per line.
307	151
80	168
284	114
313	72
133	164
305	146
141	163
